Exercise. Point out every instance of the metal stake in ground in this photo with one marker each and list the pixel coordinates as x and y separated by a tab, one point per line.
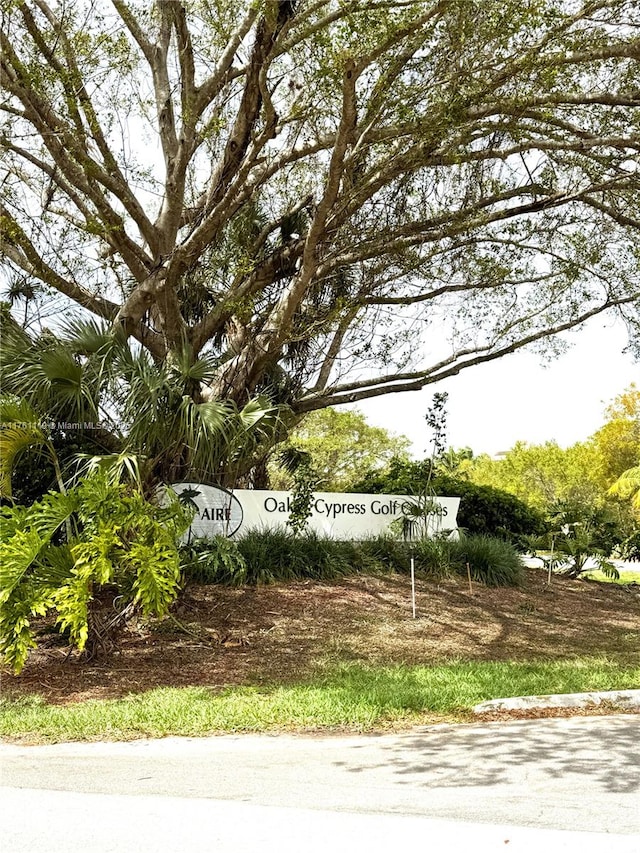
413	585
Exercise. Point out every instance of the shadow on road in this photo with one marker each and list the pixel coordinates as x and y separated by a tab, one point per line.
471	756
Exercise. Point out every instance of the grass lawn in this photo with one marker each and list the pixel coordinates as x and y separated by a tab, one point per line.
351	696
341	656
625	578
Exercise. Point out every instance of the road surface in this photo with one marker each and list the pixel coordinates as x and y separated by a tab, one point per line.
551	784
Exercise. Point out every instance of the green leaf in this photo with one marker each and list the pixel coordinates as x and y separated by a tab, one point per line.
12	519
91	560
157	580
16	636
49	514
72	603
16	558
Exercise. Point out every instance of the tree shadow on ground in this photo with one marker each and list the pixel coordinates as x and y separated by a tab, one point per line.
491	755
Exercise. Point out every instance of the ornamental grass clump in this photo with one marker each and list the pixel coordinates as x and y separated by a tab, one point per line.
264	556
281	555
492	561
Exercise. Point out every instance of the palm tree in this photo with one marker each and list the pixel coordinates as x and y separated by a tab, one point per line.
628	486
89	379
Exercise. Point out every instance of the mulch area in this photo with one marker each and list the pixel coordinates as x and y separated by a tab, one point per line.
220	636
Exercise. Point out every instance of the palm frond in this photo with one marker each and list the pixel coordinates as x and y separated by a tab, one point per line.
258	410
87	337
215	417
118	467
261	424
185	369
48	374
87	370
205	429
291	458
19	430
73	398
628	486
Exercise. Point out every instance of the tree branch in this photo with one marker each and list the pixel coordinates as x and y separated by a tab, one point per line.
208	91
394	383
18	248
333	351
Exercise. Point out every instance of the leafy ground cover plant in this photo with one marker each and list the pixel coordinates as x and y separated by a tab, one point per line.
214	560
99	543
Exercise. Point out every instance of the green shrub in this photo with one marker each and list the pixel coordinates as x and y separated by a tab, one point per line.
483	509
630	548
385	553
434	556
215	560
492	512
265	556
70	553
492	561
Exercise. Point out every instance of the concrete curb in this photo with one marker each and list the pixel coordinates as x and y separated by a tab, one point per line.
625	699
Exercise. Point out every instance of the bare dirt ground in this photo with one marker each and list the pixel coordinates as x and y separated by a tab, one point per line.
219	636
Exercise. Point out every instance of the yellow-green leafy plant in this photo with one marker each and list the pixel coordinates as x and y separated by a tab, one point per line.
91	556
627	487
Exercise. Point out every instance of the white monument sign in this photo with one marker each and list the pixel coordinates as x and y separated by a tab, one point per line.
335	514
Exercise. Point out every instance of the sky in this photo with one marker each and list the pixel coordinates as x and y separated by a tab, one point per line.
520	397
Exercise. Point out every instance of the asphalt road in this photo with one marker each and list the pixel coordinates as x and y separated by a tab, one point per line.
534	784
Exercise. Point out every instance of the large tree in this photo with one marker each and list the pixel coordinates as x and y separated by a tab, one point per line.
618	439
584	475
304	190
545	475
342	446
